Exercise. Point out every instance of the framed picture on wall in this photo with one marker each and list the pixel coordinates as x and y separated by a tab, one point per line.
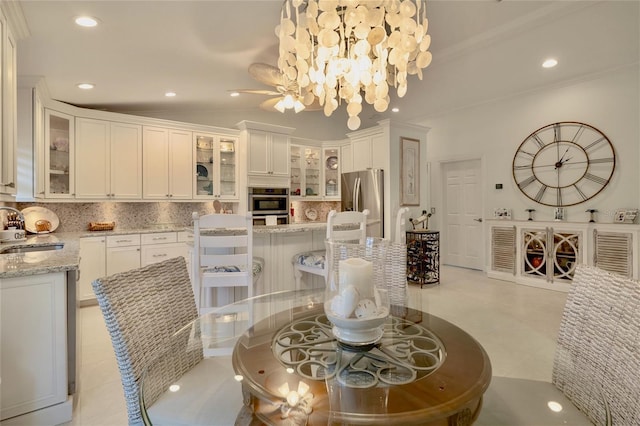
409	172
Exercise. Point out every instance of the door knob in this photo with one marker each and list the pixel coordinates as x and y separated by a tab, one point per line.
478	220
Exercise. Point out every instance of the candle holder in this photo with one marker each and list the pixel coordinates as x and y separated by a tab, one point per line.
356	297
530	211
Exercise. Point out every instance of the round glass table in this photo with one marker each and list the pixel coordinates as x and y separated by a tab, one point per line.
273	359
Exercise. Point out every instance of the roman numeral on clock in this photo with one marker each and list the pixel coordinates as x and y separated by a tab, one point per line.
582	194
540	193
594	144
601	160
527	181
596	179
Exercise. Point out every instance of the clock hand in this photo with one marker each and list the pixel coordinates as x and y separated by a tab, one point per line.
559	163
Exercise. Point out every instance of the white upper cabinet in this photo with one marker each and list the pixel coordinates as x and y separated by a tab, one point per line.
216	167
268	154
108	160
59	155
167	164
8	169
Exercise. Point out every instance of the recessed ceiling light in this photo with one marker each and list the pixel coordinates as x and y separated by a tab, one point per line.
86	86
170	94
234	94
395	109
86	21
549	63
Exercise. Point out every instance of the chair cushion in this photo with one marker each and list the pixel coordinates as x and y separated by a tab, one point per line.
313	259
258	265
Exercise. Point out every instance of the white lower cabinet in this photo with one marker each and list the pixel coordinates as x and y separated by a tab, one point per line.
107	255
162	246
33	349
92	266
123	253
545	254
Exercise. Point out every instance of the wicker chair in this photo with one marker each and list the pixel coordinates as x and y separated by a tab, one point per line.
596	372
313	262
397	266
143	308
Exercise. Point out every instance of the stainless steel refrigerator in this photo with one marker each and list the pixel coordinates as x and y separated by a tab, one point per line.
365	190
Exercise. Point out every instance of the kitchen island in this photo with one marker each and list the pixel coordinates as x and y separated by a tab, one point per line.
277	245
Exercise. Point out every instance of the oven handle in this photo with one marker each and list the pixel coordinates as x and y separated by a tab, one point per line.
268	196
269	213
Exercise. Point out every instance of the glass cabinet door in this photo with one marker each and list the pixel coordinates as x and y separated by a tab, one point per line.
331	161
550	254
312	172
227	155
59	132
204	165
296	183
215	163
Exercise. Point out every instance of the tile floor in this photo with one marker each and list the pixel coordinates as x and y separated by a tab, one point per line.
517	325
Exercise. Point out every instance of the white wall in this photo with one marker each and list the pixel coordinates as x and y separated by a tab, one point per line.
493	131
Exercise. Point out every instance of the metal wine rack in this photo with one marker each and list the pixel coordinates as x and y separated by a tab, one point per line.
423	257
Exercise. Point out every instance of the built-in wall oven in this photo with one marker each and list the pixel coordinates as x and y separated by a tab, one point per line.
265	202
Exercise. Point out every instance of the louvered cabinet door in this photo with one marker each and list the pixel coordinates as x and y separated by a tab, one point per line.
503	249
613	252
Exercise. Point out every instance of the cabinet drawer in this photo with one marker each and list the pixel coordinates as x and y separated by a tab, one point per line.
158	253
159	238
185	237
123	240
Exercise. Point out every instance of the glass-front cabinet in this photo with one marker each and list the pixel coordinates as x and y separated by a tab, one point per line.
59	155
331	162
305	171
551	254
216	173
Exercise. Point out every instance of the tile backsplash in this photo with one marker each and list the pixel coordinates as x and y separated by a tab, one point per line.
75	217
304	210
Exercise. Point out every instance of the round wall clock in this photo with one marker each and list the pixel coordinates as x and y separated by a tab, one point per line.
564	164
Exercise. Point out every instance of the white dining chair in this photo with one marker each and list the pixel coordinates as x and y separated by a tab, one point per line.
596	370
224	271
341	226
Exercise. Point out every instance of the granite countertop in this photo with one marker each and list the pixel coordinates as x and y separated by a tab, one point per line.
41	262
68	257
292	227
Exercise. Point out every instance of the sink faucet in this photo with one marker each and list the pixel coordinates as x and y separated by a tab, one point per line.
18	212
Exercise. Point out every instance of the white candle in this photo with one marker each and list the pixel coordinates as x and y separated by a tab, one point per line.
358	273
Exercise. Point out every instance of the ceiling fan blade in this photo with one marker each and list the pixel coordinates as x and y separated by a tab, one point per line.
267	74
269	104
257	92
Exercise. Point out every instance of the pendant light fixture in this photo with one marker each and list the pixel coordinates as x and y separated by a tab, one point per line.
352	50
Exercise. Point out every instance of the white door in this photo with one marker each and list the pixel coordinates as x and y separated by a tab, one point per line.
462	239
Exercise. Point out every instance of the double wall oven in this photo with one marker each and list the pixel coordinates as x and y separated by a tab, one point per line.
265	202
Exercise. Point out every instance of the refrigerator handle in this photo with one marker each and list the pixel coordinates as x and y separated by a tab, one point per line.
356	195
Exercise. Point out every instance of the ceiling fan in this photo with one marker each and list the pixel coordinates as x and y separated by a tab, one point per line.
286	90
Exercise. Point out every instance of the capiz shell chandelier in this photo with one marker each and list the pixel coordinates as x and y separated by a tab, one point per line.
350	50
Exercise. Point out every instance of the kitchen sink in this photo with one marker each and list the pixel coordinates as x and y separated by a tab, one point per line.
28	249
